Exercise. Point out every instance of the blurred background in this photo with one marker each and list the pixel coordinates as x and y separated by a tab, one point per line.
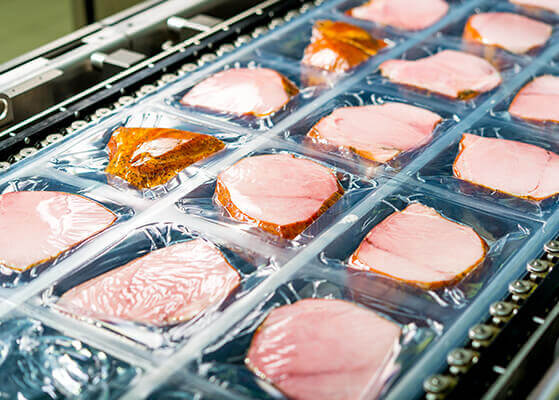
29	24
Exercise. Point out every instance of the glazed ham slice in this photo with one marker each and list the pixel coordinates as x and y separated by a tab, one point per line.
409	15
147	157
377	132
242	91
512	32
166	286
280	193
38	226
338	46
518	169
549	5
420	247
449	72
323	349
537	101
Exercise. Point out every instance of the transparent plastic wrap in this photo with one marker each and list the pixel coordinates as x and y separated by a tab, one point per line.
187	298
225	362
492	75
303	49
91	157
444	170
40	362
284	263
535	43
276	83
60	216
398	20
395	120
339	187
500	237
538	113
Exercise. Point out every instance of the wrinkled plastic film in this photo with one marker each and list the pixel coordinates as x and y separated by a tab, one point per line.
371	193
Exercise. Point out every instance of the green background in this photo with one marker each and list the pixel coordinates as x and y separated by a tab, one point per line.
28	24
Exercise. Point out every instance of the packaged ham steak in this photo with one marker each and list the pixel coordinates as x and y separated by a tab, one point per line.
338	46
265	91
451	73
534	102
402	14
297	331
175	282
512	32
148	153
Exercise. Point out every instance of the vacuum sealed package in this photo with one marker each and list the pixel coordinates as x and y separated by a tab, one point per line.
322	212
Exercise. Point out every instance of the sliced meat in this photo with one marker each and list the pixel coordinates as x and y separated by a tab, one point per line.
38	226
512	32
409	15
518	169
537	101
338	46
166	286
378	132
147	157
323	349
242	91
420	247
549	5
449	72
280	193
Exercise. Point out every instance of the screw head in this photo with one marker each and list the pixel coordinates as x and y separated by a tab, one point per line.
460	357
437	384
480	332
520	287
552	246
538	266
501	309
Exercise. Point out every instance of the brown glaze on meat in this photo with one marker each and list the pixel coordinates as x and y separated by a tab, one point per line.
147	157
338	46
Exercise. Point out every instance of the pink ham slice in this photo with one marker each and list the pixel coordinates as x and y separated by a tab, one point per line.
242	91
449	72
549	5
537	101
515	168
512	32
409	15
323	349
279	193
420	247
38	226
377	132
166	286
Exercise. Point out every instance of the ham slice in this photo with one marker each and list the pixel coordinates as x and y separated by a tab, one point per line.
242	91
537	101
518	169
166	286
512	32
280	193
420	247
323	349
38	226
409	15
338	46
377	132
449	72
549	5
147	157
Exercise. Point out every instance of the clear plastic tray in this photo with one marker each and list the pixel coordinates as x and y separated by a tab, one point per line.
203	358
